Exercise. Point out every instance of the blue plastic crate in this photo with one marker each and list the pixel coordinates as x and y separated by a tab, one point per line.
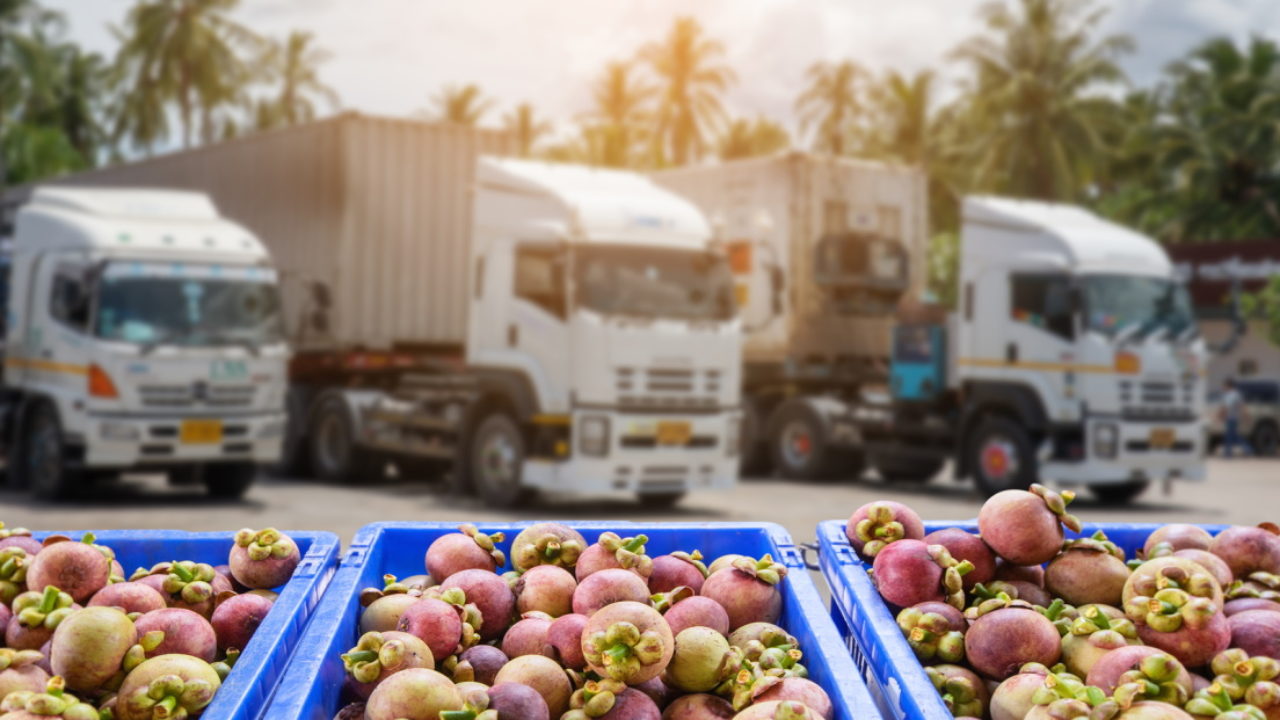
248	688
311	688
895	677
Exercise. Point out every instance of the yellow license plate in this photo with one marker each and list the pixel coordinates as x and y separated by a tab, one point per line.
1161	438
674	433
201	432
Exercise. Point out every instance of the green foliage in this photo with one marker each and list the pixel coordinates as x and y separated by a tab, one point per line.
1264	304
944	267
749	138
691	83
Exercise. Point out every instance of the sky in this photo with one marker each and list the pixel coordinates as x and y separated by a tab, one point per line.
391	56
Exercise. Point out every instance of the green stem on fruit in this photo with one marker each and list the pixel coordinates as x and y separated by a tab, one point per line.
183	574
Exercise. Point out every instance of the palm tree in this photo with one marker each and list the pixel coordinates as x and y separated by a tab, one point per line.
1036	109
1218	141
525	127
182	52
692	83
831	102
749	138
901	106
619	115
296	66
460	105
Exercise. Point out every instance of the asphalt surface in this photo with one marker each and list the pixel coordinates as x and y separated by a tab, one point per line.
1237	491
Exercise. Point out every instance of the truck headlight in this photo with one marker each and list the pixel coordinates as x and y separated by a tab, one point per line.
733	438
118	432
593	435
1105	440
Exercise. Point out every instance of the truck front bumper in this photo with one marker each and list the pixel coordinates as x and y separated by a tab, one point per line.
636	462
130	441
1144	451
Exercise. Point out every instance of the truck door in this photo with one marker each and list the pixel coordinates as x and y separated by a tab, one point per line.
52	356
1040	335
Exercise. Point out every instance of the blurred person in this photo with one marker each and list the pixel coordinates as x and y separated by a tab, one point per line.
1232	413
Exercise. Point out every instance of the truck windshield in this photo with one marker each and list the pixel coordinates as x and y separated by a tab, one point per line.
1114	303
191	305
654	283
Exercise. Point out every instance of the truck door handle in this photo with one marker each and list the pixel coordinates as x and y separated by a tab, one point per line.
513	335
46	353
1011	353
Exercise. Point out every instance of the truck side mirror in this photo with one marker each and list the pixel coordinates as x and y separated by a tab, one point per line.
320	294
777	286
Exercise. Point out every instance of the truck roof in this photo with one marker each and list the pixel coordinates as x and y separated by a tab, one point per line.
605	205
1085	241
146	220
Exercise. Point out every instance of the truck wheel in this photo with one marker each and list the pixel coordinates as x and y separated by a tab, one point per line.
1002	457
754	449
334	454
1120	493
660	500
910	470
497	461
798	443
229	481
43	466
1265	439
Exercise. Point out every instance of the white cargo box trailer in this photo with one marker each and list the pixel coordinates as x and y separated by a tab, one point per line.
823	251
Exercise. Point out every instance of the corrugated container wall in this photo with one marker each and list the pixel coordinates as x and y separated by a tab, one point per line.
784	204
379	209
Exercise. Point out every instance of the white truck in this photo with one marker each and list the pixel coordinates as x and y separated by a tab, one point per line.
516	326
602	348
142	332
1101	384
1074	356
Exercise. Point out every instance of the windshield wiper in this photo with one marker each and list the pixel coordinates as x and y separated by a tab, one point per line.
147	347
229	339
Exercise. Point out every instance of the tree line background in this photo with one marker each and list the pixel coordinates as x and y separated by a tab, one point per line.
1042	110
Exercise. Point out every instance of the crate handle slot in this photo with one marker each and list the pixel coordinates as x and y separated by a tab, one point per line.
788	555
308	567
845	554
355	556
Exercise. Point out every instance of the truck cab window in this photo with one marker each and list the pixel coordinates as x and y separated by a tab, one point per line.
1043	301
540	279
69	298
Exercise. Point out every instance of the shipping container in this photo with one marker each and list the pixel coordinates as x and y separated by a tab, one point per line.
825	253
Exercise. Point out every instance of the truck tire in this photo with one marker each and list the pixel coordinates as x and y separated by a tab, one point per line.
1265	439
497	461
754	449
908	470
1001	456
660	500
42	465
798	443
1120	493
229	481
335	456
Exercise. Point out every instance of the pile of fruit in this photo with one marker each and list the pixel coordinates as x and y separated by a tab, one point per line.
1019	622
577	631
81	642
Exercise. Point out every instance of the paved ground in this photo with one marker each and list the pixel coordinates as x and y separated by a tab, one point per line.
1241	491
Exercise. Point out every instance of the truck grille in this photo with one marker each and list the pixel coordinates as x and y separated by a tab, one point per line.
1156	401
667	387
196	394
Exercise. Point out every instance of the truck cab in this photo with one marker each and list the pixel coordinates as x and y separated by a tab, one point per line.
142	332
605	320
1076	354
